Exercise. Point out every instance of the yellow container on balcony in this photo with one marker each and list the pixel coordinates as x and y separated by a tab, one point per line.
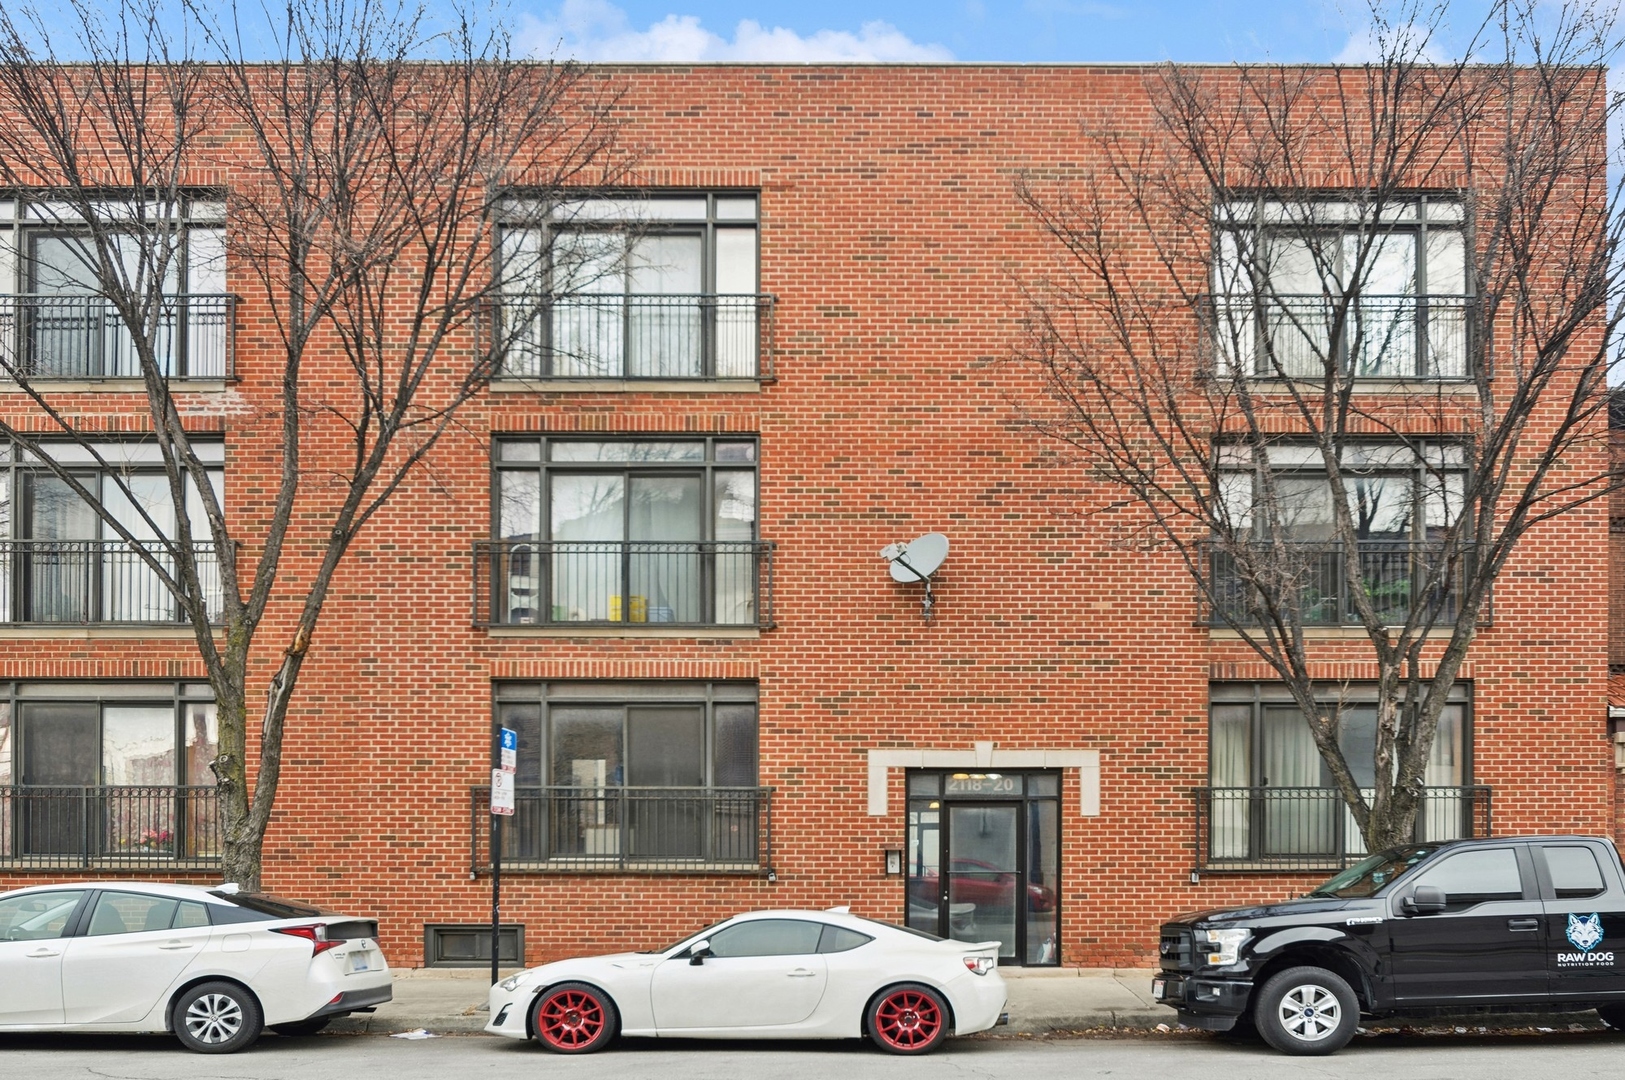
639	609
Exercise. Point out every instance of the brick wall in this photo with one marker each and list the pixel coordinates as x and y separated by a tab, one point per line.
892	239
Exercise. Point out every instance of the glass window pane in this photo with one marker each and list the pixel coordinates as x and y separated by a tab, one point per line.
131	913
736	208
666	266
60	744
767	937
734	751
1357	737
8	746
202	742
586	747
191	914
206	261
511	450
665	747
736	262
1231	746
519	504
735	451
1574	870
1476	877
587	507
525	719
838	939
1383	507
37	916
570	450
138	745
1446	263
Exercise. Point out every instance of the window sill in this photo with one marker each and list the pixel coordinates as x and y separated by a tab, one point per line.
1329	633
112	386
35	631
625	386
708	633
631	867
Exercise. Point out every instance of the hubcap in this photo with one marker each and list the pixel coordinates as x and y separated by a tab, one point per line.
214	1018
571	1019
907	1019
1310	1012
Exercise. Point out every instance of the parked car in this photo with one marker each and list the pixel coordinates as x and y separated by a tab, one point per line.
1533	923
976	882
763	975
213	966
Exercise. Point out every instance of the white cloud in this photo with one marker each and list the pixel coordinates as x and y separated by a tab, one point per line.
598	30
1370	45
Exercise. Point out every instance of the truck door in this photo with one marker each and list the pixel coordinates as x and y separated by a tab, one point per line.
1487	944
1585	920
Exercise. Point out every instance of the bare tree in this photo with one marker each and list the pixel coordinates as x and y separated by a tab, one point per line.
1340	337
361	178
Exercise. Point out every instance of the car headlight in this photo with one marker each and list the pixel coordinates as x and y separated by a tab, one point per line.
1224	945
980	965
514	982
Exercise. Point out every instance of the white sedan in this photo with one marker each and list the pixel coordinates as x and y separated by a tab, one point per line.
763	975
213	966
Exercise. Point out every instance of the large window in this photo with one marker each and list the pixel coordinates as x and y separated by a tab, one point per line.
108	773
1342	284
1402	500
1271	796
626	531
652	287
656	772
60	562
56	321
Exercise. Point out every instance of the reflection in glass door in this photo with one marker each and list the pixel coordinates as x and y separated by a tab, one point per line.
983	861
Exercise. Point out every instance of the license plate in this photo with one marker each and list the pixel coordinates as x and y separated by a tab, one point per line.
1159	989
358	961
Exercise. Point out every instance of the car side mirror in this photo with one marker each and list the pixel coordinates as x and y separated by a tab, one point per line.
1426	900
698	951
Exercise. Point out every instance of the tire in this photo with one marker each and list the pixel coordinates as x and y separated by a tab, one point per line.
1307	1010
1613	1016
574	1018
303	1027
907	1019
216	1018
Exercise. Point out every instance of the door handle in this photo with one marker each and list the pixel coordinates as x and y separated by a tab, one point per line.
176	945
1523	924
39	954
802	973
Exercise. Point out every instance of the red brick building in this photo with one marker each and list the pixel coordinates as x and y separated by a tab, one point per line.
653	552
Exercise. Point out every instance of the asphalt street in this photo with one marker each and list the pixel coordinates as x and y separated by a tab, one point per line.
1554	1056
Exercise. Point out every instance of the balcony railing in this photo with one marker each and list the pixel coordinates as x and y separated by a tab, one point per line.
613	336
1372	337
628	829
1313	575
1280	828
95	581
149	827
84	337
610	582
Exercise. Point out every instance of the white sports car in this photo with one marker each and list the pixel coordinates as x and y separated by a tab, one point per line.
213	966
763	975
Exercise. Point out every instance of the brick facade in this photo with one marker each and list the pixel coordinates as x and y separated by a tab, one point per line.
892	240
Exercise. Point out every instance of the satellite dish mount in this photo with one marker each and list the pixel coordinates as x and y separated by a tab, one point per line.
917	561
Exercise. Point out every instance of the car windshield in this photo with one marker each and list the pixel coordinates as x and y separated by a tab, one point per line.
679	941
1364	878
904	929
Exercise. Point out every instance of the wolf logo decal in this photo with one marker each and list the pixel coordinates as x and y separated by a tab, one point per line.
1585	931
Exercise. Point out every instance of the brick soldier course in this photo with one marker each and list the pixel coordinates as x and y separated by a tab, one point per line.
893	244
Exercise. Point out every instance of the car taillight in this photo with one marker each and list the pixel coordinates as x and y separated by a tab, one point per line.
980	965
316	935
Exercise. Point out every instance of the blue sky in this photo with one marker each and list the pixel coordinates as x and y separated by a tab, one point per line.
996	30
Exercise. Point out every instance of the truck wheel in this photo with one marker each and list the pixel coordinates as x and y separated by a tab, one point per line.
1613	1016
1306	1010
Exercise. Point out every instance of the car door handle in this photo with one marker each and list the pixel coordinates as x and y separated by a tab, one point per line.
802	973
1523	924
40	954
176	945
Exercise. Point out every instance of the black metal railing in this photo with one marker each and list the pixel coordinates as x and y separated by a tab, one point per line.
1375	337
84	337
125	827
1282	828
1398	576
620	582
96	581
634	829
615	336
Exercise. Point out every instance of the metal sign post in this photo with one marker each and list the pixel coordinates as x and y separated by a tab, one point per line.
502	803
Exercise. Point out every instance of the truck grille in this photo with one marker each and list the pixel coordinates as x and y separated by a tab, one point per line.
1174	950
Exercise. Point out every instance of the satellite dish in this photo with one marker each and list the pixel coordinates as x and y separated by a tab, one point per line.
917	561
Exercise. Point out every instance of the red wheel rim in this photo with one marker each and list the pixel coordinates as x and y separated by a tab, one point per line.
908	1019
570	1019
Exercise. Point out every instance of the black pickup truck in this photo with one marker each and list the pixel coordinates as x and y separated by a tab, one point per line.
1531	923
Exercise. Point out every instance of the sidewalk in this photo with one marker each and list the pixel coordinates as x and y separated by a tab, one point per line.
449	1001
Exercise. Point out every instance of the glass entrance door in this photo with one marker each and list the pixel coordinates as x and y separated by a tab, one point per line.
985	869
